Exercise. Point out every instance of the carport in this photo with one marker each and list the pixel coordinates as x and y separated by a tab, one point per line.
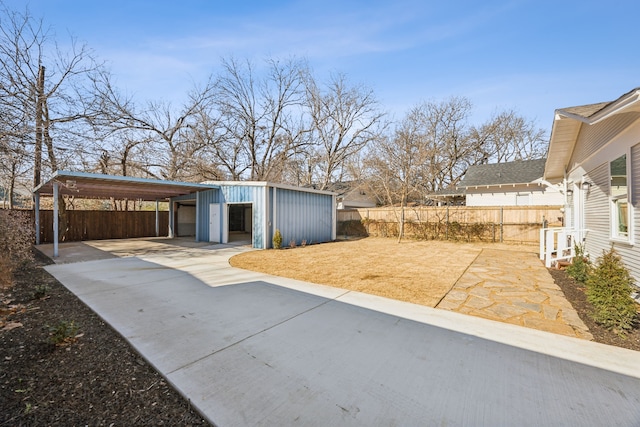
100	186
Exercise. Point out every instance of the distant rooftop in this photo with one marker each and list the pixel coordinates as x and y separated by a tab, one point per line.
518	172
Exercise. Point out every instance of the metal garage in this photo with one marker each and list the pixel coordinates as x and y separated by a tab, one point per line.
218	212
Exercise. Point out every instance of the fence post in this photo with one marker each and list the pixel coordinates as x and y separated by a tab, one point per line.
446	227
550	247
501	224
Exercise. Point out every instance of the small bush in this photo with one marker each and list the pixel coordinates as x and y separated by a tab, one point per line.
277	240
64	333
41	291
580	266
352	227
292	244
609	288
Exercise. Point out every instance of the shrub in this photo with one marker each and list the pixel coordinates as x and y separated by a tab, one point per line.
64	333
580	266
352	227
609	288
41	291
277	239
17	231
292	244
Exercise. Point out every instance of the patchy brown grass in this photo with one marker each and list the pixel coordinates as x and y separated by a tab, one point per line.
420	272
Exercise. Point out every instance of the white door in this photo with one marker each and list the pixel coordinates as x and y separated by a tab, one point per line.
214	222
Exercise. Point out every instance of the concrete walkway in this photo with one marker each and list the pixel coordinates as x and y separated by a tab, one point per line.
514	287
250	349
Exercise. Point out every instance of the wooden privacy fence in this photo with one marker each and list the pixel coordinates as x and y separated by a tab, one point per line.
496	224
98	225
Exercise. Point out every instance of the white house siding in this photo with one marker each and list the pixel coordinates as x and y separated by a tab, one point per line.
594	137
633	263
513	196
598	216
597	212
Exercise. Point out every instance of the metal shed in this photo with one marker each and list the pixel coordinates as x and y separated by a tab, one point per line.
253	211
218	212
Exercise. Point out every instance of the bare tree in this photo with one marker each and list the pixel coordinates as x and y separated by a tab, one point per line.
507	137
434	147
45	84
168	141
224	156
344	119
396	164
261	114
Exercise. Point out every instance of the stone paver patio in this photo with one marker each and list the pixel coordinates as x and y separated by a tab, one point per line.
513	287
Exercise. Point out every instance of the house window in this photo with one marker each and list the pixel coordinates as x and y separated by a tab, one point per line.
621	210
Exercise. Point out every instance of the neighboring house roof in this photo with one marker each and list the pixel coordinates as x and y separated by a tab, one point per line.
352	194
518	172
568	122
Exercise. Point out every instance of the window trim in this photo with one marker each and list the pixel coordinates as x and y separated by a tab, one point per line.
614	202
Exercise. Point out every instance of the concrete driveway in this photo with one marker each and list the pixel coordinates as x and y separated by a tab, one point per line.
250	349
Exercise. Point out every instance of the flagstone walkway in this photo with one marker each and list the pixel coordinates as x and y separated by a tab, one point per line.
514	287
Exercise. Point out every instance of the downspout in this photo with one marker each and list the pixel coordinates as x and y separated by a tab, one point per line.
275	210
334	215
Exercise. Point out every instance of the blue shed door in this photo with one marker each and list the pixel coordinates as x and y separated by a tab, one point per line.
214	222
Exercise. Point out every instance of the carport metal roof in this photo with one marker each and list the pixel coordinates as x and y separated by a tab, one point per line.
100	186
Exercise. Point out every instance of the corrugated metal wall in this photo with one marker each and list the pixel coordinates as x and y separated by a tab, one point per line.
303	216
299	215
248	194
205	198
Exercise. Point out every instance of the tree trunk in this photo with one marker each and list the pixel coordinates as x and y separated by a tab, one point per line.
12	185
401	228
37	165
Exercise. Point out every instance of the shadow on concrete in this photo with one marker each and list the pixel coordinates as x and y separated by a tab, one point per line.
260	353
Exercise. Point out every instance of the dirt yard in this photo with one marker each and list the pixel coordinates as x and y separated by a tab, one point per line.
420	272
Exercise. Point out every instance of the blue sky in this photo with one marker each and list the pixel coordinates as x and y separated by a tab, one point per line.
530	56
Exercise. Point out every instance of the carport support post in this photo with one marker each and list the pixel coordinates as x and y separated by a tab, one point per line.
55	219
36	209
170	219
157	219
